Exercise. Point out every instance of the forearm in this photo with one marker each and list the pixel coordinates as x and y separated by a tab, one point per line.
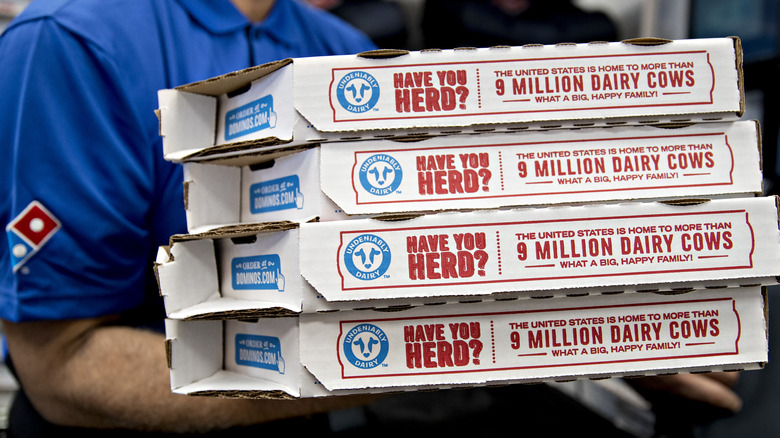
90	375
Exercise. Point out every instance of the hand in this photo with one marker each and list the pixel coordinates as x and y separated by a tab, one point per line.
272	120
298	199
280	362
711	389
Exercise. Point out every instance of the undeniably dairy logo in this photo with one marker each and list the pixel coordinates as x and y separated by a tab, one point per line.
357	91
262	272
367	257
380	174
366	346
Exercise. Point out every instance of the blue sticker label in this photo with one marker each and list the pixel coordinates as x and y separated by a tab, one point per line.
262	272
367	257
260	352
380	174
278	194
249	118
366	346
357	92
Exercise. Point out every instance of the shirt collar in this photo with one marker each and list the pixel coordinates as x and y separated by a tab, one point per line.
220	16
216	16
277	25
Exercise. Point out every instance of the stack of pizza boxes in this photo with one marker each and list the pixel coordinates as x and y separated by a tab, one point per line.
399	220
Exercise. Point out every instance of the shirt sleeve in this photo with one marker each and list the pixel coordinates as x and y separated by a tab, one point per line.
72	143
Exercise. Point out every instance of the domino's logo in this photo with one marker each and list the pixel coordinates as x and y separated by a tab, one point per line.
261	272
357	92
249	118
367	257
29	231
366	346
276	195
259	352
380	174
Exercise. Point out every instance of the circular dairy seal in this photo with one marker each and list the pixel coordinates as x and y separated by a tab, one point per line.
380	174
366	346
357	92
367	257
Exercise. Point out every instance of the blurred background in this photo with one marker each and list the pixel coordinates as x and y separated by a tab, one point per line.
418	24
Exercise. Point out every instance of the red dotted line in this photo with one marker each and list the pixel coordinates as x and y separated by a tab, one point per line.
493	340
501	170
498	250
479	92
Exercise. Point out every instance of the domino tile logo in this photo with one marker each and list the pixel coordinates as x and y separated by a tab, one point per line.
29	231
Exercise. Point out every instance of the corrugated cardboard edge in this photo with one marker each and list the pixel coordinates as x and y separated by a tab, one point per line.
169	352
156	265
239	147
246	314
233	81
646	41
382	53
760	147
236	231
230	232
249	395
255	156
740	73
765	295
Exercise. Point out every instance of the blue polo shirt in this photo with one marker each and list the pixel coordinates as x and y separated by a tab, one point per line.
91	197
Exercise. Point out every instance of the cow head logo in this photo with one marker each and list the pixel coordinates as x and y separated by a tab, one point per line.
380	174
365	346
357	91
367	257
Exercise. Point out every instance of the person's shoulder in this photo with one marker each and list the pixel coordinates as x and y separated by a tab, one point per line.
56	9
76	15
114	28
38	9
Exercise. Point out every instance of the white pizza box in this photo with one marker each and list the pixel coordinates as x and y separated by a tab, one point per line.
495	170
437	92
247	271
470	344
252	271
336	181
235	272
260	269
255	189
626	246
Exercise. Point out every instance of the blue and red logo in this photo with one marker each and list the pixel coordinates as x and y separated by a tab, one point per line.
29	231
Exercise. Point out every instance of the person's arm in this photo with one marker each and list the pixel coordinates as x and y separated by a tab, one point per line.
714	390
88	374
